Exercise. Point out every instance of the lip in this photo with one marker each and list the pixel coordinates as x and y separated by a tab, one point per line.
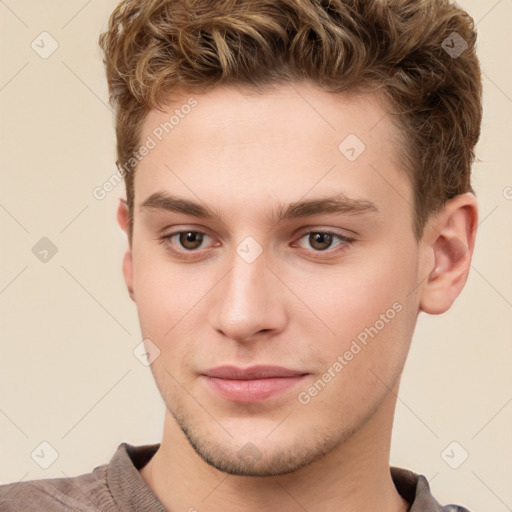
253	372
253	384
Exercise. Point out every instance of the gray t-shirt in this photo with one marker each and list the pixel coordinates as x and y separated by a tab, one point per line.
118	487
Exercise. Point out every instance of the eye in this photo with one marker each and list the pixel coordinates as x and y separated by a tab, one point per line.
187	241
321	241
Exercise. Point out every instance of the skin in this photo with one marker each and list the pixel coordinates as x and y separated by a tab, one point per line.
296	305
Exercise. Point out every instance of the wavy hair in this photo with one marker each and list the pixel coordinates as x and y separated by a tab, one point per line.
399	49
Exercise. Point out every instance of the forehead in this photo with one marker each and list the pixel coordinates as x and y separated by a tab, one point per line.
240	149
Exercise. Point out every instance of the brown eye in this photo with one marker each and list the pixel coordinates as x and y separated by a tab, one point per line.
320	241
186	244
324	242
191	239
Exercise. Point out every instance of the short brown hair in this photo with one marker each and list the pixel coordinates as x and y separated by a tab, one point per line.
397	48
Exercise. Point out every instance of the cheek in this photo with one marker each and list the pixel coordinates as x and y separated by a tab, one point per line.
367	302
160	291
348	298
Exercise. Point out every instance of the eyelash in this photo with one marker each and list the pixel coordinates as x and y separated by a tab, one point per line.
189	254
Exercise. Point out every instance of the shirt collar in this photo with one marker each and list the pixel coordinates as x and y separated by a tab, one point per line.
131	492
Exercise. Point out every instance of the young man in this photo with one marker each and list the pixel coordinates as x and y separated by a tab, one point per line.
298	191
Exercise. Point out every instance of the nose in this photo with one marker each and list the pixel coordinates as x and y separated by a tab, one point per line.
250	301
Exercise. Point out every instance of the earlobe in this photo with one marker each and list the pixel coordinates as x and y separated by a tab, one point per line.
452	233
123	219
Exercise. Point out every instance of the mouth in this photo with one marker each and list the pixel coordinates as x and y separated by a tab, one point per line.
253	384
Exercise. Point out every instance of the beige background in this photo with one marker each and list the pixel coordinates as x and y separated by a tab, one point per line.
67	372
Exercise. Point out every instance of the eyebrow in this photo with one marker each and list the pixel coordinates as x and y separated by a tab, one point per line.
335	204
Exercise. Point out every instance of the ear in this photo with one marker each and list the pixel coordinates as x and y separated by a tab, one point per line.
123	219
449	238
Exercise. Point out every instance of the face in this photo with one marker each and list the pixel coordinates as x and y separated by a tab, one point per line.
249	277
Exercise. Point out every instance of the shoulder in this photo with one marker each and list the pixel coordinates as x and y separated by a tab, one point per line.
423	484
83	493
415	489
